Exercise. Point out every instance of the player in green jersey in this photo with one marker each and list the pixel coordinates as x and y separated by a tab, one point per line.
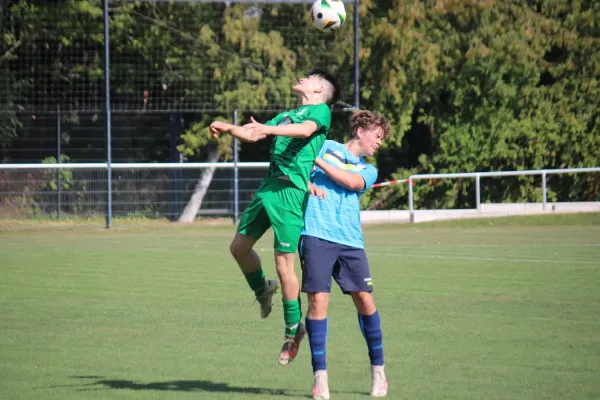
280	200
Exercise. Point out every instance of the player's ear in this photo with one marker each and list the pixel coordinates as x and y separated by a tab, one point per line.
319	89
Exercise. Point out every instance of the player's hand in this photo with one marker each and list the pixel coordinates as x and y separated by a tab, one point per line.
256	136
316	191
258	128
218	127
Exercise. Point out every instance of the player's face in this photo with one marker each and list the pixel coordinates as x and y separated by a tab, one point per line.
310	84
370	139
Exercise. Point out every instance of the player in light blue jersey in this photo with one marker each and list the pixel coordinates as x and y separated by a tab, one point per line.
332	244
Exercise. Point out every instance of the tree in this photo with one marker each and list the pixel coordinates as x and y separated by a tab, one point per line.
483	85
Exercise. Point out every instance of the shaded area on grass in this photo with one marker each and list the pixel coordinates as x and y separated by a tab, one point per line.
192	386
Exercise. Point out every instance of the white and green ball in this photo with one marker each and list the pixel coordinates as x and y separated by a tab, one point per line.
328	15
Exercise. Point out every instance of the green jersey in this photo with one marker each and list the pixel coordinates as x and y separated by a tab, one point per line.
295	157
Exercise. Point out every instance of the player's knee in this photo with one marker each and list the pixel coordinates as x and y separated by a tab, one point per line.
238	250
286	273
318	299
363	297
317	305
241	246
364	302
233	248
284	264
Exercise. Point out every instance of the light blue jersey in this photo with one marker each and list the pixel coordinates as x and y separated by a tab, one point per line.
336	218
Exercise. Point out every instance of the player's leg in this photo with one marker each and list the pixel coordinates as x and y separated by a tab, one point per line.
318	258
292	313
252	226
370	325
317	328
354	277
285	207
241	249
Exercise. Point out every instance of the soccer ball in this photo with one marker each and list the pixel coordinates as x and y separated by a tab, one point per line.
328	15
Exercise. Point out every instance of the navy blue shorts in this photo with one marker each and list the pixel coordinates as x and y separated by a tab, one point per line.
322	259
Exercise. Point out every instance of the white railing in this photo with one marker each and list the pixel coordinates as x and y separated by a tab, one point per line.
164	188
478	175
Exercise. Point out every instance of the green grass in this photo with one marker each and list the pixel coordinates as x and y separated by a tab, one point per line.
487	309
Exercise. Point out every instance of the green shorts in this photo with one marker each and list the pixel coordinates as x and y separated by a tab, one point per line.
279	204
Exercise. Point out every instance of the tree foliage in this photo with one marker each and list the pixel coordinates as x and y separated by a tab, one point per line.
487	86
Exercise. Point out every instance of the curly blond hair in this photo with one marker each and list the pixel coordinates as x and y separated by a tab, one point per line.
368	120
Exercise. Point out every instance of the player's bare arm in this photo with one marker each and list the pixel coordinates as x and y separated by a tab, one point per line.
245	135
303	130
349	180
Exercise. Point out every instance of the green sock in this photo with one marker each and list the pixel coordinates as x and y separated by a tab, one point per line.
292	316
256	281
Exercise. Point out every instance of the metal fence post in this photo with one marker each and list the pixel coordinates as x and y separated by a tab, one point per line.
108	117
478	192
544	194
176	129
356	56
410	199
236	194
58	160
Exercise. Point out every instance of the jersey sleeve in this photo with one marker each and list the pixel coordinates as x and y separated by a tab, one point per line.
321	155
276	120
326	145
369	174
320	115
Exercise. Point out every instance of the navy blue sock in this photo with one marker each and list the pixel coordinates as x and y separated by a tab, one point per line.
317	339
371	329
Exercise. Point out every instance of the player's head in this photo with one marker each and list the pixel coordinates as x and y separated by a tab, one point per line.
318	84
368	130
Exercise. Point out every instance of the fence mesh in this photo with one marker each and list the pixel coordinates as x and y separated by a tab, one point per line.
165	56
169	61
149	193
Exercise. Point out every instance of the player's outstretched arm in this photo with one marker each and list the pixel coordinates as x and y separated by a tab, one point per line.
347	179
245	135
303	130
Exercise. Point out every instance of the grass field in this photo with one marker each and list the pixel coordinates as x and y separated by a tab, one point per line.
489	309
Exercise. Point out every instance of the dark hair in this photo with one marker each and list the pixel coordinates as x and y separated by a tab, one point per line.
329	78
367	120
